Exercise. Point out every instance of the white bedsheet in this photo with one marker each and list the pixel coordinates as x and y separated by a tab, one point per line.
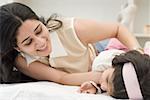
45	91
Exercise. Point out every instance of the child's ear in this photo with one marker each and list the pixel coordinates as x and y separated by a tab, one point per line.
16	48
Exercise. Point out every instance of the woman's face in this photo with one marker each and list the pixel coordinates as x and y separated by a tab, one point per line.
33	38
106	81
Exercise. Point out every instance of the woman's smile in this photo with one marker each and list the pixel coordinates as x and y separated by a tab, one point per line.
43	49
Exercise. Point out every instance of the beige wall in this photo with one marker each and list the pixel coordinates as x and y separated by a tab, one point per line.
95	9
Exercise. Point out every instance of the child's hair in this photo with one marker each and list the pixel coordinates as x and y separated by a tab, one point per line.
12	16
141	63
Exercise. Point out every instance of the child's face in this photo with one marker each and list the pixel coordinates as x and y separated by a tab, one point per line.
106	81
33	38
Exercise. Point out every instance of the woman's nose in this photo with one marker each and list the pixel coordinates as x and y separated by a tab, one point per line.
39	42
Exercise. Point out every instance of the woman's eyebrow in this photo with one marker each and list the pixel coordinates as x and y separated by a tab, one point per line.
36	27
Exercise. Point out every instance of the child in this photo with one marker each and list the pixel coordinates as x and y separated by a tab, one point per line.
130	71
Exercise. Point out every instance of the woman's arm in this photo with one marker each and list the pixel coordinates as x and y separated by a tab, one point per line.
41	71
90	31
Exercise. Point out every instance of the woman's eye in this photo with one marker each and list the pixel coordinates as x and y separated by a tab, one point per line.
39	31
29	42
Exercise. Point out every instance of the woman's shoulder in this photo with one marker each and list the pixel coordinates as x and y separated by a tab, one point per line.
27	60
66	21
20	61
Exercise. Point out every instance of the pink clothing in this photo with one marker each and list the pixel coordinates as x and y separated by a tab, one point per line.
116	44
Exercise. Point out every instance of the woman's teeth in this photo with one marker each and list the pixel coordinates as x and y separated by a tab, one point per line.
43	48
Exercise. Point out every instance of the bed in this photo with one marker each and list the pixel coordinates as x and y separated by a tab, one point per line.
44	90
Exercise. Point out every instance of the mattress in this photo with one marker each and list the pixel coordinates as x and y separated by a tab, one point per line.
45	91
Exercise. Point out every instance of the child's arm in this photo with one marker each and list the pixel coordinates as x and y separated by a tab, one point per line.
89	87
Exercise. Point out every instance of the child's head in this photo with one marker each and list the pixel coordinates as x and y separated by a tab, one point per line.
141	64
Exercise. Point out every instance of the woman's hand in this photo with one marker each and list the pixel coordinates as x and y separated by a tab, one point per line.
87	87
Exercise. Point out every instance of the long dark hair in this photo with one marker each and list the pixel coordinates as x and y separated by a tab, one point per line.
141	64
12	16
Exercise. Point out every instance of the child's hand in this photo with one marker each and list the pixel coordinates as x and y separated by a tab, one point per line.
87	87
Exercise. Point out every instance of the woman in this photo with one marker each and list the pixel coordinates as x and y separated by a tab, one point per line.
56	50
128	78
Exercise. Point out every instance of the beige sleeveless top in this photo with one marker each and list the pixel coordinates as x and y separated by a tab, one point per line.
68	53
